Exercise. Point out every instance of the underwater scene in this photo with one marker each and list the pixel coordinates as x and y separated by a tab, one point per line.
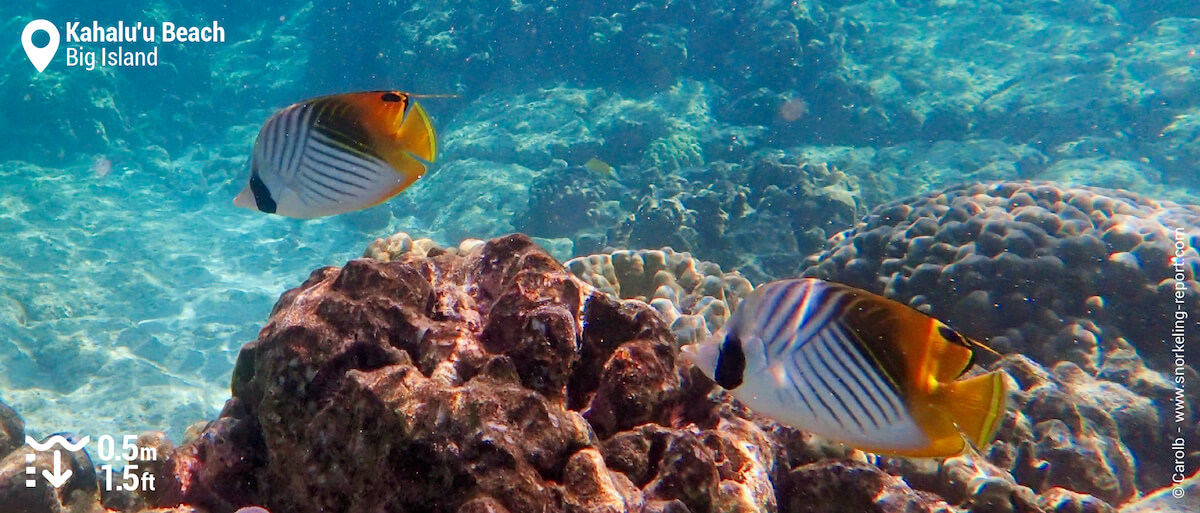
706	256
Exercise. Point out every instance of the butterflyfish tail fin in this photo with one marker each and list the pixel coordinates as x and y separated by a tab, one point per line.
976	405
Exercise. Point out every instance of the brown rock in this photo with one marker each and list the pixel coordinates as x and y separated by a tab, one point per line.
848	485
594	488
458	381
12	430
80	492
1059	500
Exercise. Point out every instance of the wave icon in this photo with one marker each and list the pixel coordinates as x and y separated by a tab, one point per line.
56	439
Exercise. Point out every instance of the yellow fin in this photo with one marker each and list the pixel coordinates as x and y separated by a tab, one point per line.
959	412
396	128
976	405
412	140
944	447
416	135
908	345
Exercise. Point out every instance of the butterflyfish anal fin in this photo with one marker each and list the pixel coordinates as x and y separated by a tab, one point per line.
944	447
409	168
961	415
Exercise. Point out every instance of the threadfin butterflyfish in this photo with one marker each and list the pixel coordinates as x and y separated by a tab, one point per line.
337	154
854	367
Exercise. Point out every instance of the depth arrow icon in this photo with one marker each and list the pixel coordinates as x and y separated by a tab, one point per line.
60	476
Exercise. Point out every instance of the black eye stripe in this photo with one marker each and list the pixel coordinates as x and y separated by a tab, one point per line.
262	195
390	97
952	336
731	363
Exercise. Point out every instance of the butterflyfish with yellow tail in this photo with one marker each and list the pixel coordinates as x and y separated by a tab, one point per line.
337	154
856	368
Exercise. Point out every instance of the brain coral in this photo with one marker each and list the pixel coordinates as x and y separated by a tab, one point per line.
1080	279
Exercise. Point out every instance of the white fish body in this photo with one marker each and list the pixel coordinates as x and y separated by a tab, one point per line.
796	351
337	154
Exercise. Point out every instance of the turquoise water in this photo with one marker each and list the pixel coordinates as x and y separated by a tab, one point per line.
129	282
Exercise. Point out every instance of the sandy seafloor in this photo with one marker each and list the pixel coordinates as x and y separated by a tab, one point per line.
125	295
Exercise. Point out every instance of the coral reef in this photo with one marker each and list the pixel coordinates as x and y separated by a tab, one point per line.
488	377
566	201
754	217
1163	501
693	297
1067	432
1081	280
529	388
393	247
482	379
1059	263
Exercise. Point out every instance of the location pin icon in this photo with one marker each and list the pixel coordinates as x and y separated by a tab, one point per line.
40	57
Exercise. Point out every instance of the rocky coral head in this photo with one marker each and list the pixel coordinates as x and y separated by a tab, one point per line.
487	378
436	380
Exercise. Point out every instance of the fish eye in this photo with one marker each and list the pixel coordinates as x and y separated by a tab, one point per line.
391	97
